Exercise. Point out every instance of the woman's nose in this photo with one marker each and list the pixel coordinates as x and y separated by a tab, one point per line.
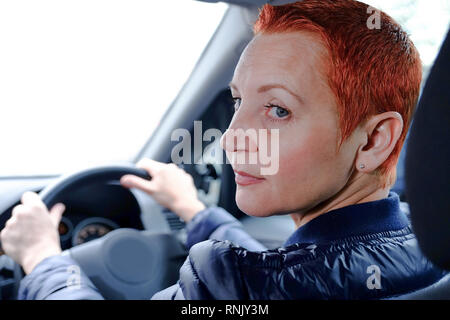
239	139
241	134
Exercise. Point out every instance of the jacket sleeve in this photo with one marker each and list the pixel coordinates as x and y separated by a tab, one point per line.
171	293
216	223
57	278
210	272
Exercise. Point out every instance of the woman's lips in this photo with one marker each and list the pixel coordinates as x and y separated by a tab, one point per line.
245	179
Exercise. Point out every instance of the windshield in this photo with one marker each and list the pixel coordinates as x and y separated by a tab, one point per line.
86	82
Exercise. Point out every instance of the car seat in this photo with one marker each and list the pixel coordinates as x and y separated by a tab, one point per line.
427	173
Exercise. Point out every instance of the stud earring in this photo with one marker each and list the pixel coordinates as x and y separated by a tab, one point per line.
362	166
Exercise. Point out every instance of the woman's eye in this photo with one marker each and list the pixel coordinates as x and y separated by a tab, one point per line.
277	112
237	103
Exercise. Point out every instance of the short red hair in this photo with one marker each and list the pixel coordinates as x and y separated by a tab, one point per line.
370	71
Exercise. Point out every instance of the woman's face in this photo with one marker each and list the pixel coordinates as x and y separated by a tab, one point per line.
279	84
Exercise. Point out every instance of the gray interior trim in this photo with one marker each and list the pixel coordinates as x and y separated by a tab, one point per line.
271	231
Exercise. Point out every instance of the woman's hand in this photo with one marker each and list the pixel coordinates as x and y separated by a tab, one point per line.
31	234
170	186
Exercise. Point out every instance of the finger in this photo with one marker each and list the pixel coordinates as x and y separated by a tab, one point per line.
10	222
17	209
56	213
2	239
132	181
150	165
32	199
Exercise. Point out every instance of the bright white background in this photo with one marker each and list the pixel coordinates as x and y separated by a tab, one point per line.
83	82
86	81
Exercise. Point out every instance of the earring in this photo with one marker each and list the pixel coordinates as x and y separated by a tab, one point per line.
362	166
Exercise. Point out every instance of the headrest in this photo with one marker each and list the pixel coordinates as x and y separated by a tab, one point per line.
427	164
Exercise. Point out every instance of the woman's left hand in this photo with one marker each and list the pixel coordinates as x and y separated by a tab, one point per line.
31	234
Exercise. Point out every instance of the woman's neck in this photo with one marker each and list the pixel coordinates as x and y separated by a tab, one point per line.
362	188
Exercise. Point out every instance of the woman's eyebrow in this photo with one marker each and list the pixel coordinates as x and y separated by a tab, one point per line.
268	87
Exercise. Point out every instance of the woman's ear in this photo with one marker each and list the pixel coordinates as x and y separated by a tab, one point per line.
382	133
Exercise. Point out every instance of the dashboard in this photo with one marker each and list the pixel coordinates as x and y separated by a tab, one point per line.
87	230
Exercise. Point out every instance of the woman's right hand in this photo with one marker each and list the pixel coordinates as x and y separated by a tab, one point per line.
170	186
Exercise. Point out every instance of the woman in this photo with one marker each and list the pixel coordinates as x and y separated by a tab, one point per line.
340	96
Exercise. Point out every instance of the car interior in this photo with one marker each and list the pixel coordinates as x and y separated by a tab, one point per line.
121	237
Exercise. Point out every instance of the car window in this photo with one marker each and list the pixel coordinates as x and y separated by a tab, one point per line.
86	82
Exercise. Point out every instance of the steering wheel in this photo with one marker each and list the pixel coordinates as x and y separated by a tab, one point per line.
125	263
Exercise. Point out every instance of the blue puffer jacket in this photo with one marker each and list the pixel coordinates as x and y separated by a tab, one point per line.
363	251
